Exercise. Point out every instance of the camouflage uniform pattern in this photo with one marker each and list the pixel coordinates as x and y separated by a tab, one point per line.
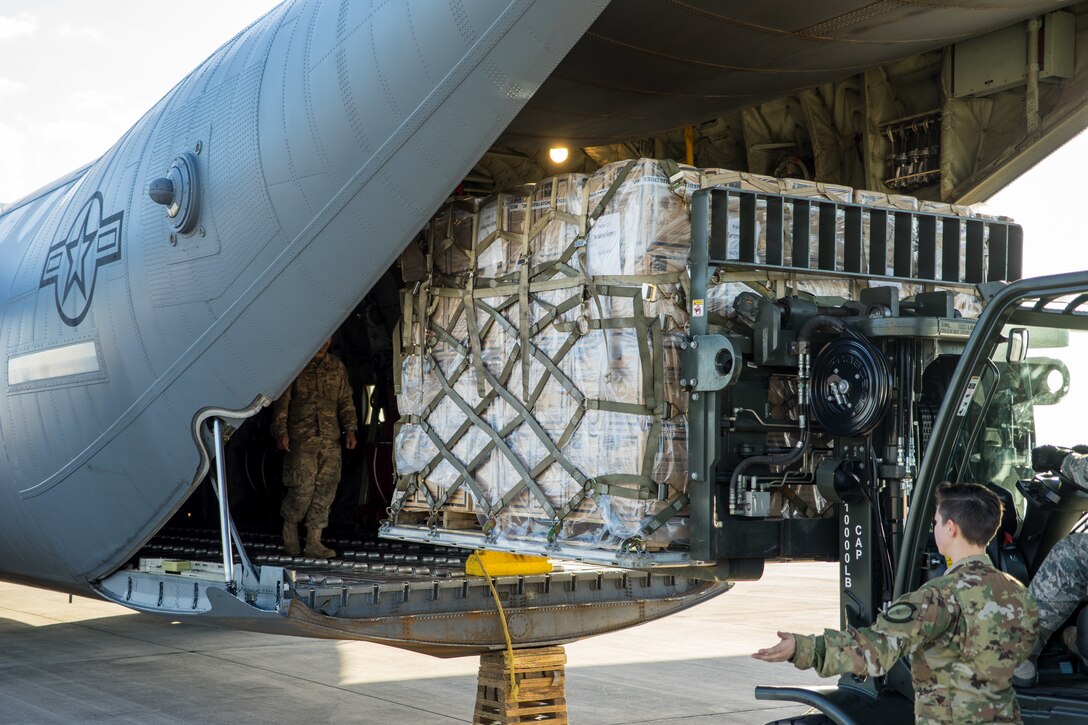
1062	580
1060	584
1075	468
312	412
964	632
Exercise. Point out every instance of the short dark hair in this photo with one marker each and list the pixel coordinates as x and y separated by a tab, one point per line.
975	509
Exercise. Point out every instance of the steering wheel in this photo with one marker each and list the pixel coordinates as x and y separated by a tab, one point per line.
1043	489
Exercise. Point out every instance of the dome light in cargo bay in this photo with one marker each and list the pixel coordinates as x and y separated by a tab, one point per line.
558	154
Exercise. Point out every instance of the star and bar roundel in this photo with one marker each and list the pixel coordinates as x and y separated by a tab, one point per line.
73	261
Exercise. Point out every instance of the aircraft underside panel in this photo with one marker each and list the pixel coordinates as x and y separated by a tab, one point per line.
406	596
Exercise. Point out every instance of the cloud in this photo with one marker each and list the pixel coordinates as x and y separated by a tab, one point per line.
13	182
70	31
87	101
9	88
23	24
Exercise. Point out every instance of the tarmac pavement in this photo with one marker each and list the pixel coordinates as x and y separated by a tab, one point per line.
92	661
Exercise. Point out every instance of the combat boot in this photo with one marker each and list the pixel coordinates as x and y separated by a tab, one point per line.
314	547
290	538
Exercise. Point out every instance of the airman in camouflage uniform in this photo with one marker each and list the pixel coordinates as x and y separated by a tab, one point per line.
306	423
1061	583
964	632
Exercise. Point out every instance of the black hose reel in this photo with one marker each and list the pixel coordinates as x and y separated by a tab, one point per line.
851	387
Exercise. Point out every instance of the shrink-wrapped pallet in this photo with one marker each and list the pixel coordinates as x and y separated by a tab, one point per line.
541	349
557	205
501	218
539	391
449	237
643	231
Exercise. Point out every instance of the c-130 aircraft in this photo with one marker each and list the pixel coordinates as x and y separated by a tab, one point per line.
146	322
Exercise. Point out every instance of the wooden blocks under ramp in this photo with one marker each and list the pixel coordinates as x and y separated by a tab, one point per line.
540	679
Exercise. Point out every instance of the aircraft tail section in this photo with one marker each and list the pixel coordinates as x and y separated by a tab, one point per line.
301	158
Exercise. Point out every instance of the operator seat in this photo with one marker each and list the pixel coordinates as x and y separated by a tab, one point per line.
1002	549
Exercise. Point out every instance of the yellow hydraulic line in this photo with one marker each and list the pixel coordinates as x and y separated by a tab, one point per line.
505	629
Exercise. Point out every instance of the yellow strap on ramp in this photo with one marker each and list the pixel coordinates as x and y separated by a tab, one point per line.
499	563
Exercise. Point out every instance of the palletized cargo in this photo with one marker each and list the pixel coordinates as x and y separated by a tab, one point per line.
541	379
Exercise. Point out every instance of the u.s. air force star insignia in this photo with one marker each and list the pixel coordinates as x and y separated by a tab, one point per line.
72	263
900	613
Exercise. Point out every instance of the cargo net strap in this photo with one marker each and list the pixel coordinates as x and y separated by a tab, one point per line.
523	385
491	386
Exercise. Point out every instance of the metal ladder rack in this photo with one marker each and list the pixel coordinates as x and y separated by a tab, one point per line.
992	248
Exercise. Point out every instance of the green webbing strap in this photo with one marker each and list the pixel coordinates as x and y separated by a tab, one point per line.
572	426
611	323
642	339
524	319
422	310
408	307
398	359
624	485
512	425
514	287
540	355
474	341
499	442
530	421
456	463
574	502
626	280
659	365
658	368
620	178
584	256
551	215
670	168
473	260
613	406
649	456
404	482
671	510
556	311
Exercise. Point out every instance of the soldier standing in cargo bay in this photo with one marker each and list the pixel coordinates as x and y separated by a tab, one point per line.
964	631
306	423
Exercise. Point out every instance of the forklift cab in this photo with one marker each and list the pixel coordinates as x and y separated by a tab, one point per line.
1020	382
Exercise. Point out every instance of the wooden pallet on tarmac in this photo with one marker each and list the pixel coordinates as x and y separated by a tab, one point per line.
540	675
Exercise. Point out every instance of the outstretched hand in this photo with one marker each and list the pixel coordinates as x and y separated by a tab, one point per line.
781	652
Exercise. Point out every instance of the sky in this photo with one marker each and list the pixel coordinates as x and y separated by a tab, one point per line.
75	75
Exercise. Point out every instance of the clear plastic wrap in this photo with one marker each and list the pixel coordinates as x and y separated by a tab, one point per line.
449	237
555	396
551	235
644	229
501	217
602	363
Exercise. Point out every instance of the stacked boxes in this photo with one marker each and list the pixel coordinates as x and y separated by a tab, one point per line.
541	361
